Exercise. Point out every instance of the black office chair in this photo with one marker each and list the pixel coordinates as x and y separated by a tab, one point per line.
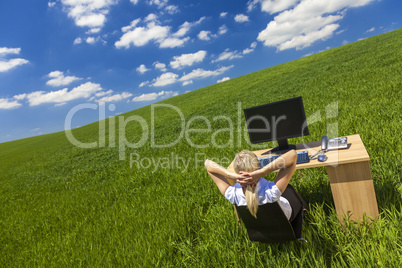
271	224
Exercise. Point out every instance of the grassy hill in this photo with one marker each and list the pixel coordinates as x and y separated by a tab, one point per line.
115	205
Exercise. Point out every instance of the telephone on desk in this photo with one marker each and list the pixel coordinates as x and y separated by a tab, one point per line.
303	157
333	144
330	144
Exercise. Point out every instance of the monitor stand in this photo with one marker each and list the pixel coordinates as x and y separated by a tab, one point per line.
283	147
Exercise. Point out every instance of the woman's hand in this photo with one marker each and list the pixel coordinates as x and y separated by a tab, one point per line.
237	177
249	177
255	175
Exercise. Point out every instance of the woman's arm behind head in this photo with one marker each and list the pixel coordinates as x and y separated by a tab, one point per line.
217	174
286	169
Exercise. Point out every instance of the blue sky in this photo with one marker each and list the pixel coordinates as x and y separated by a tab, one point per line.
57	54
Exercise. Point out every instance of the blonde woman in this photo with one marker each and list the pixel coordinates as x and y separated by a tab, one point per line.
251	189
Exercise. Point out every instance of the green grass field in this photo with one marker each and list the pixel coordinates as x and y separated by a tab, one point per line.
61	205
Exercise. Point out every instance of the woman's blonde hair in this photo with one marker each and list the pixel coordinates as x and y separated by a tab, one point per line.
248	161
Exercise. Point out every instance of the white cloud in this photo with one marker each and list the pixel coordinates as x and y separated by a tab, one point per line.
223	29
241	18
142	69
171	78
223	79
77	41
187	59
223	14
37	130
370	30
151	17
63	95
308	54
228	55
141	36
143	84
134	1
153	31
103	93
92	20
6	65
154	96
165	79
185	83
60	104
183	29
250	49
200	73
247	51
90	40
272	6
172	9
9	104
20	96
159	3
58	79
5	51
116	97
93	31
204	35
160	66
131	26
308	22
88	13
186	27
172	42
302	41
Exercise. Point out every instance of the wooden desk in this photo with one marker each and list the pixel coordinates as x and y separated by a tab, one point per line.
349	175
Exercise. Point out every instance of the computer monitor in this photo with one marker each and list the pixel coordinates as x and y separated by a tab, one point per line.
277	121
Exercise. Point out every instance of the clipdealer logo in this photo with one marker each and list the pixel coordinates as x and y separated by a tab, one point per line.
235	132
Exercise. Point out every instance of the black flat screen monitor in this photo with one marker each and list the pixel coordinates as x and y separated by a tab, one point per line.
277	121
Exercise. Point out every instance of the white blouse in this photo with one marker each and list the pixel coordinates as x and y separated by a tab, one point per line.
268	192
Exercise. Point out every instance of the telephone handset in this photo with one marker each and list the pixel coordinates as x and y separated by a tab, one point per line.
324	143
